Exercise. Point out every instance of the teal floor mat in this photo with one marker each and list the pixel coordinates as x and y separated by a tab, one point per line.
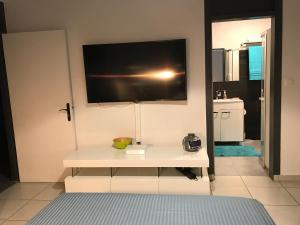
236	150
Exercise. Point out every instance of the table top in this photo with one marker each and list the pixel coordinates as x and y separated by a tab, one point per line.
167	156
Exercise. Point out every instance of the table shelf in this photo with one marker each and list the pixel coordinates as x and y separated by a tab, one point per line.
111	170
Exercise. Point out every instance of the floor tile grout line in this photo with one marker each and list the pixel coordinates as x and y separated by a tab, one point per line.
44	189
28	200
292	196
18	210
281	182
297	206
32	198
281	186
9	218
246	187
13	221
285	188
40	200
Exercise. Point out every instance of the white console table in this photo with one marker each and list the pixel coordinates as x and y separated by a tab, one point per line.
107	169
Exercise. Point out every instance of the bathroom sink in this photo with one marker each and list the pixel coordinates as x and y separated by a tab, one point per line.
228	100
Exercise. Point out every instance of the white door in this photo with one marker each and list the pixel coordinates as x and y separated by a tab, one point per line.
39	85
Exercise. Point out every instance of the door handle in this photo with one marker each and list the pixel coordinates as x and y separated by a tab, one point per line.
215	115
68	110
225	113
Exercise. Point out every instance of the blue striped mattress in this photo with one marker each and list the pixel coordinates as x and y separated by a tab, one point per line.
140	209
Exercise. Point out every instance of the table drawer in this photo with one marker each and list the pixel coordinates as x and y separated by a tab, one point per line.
87	184
129	184
183	185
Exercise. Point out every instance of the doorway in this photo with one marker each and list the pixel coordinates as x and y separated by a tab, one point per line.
217	11
241	75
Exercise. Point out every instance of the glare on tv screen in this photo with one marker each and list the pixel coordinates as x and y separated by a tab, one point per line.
133	72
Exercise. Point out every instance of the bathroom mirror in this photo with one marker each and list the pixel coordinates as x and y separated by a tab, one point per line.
225	65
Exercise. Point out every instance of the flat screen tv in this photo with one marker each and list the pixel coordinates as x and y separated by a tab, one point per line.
134	72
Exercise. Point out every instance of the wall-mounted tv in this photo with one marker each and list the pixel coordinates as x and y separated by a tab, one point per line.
133	72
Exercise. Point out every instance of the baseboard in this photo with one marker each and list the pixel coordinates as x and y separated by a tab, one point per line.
287	177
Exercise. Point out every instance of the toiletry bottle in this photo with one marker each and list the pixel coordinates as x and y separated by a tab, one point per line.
224	94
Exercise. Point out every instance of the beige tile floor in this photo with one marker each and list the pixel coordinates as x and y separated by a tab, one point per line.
281	199
22	201
240	166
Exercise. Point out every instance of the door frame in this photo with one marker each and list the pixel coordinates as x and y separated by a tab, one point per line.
5	104
275	80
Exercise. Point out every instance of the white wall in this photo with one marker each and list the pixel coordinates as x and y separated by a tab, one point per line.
231	34
290	108
100	21
103	21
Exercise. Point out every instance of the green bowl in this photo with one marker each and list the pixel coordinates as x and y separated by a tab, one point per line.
122	142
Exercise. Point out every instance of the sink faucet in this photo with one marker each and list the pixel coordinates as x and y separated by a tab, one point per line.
224	94
219	94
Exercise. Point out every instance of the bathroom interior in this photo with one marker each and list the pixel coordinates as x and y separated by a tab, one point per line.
240	72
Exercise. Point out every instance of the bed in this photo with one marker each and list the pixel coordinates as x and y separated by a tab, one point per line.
141	209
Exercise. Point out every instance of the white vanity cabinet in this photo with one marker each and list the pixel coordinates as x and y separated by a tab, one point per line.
228	120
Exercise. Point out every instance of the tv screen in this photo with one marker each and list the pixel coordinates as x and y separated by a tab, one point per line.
133	72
